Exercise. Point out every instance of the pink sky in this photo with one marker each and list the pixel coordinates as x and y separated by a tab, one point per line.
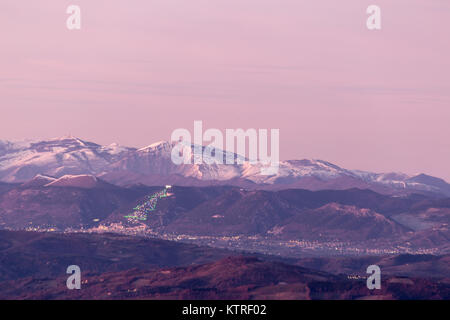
137	70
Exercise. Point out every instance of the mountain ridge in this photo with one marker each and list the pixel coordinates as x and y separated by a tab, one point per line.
151	165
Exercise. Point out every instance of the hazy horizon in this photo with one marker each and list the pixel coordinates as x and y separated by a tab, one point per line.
367	100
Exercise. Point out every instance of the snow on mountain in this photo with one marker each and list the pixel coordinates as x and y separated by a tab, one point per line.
22	161
39	180
154	160
158	147
77	181
294	169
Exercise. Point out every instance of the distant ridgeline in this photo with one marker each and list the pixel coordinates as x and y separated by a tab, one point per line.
141	211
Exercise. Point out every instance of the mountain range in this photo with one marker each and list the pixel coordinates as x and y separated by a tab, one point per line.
288	222
152	165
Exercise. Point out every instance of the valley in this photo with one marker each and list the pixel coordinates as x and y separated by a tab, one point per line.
32	266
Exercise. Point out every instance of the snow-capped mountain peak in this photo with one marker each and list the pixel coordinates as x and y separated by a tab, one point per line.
23	160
